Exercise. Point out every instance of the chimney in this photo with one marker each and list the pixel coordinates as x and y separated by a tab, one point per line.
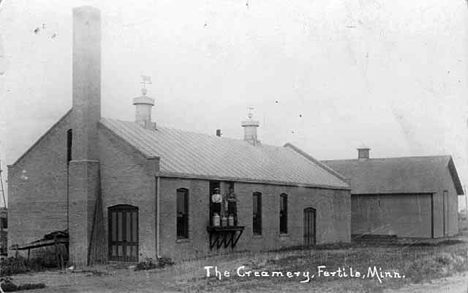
86	81
218	132
250	129
83	169
363	153
143	107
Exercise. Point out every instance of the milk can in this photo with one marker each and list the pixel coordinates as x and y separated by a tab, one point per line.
231	220
224	221
216	220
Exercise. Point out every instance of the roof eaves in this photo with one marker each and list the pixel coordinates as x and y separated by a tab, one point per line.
394	192
248	180
40	139
317	162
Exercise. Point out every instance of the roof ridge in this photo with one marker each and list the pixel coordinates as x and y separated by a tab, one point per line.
194	132
388	158
412	174
173	128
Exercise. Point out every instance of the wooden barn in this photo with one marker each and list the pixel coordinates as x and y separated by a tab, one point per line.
407	196
130	190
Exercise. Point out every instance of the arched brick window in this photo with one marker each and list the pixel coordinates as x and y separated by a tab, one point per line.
182	213
283	213
257	213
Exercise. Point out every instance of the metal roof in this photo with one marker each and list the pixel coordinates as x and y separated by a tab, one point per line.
195	155
397	175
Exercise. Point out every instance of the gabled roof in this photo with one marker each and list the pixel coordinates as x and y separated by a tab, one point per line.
397	175
195	155
42	137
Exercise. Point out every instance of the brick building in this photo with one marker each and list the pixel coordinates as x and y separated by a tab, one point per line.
131	190
406	197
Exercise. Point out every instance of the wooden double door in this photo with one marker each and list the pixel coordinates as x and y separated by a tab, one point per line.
123	233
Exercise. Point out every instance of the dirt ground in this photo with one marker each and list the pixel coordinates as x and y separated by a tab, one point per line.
190	276
457	284
168	280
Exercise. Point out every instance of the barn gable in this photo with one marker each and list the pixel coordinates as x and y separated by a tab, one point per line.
407	197
397	175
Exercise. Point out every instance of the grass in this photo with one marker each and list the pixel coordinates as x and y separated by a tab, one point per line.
20	265
418	262
7	285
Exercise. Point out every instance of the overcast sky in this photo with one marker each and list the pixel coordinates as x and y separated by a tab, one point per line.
326	75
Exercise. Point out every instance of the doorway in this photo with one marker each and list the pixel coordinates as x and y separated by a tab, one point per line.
123	233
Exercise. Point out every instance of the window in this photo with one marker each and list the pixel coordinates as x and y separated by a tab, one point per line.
182	213
69	145
4	223
257	213
283	213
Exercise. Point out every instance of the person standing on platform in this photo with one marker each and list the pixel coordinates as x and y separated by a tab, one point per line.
231	204
216	200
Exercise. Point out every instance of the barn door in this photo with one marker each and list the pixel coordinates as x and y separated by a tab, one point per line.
309	226
123	233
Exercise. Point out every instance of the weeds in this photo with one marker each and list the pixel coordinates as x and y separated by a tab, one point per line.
436	244
19	265
436	266
165	261
13	266
92	272
7	285
149	264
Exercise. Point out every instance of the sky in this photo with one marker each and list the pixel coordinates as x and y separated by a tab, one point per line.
326	75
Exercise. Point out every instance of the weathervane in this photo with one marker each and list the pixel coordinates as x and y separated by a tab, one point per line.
145	80
250	114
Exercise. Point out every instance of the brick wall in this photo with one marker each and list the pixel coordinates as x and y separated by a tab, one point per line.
127	178
38	204
333	217
197	244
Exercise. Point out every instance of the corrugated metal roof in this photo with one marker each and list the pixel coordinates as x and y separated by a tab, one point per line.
184	153
397	175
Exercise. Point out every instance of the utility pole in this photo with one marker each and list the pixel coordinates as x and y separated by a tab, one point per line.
2	246
1	186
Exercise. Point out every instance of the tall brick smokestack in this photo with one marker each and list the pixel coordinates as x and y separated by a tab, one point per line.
86	80
84	165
